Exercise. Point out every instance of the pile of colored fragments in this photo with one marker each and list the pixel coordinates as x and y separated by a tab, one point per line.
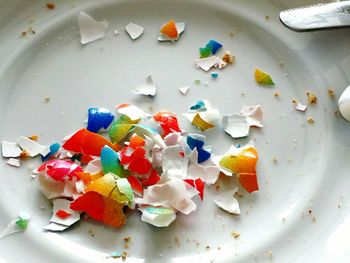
147	163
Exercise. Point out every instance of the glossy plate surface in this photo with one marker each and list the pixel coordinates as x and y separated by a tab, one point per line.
312	169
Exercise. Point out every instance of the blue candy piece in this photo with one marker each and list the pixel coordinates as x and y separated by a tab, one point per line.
215	46
53	149
99	118
203	155
193	143
199	105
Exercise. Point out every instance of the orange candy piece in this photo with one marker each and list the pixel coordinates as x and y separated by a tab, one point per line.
87	143
244	166
169	29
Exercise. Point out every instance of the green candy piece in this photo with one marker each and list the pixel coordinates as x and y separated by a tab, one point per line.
22	223
205	51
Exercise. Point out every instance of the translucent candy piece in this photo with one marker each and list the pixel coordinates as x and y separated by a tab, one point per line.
254	115
148	88
205	51
91	30
170	30
99	118
86	142
236	125
214	45
263	78
184	90
133	112
134	30
10	149
207	63
158	216
228	202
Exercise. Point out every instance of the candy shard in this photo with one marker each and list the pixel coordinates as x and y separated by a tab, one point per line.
62	207
180	28
170	193
300	107
207	63
148	88
254	115
10	149
99	118
202	124
134	30
170	30
205	51
184	90
133	112
242	162
86	142
158	216
19	224
214	45
228	202
91	30
14	162
110	162
263	78
236	125
31	147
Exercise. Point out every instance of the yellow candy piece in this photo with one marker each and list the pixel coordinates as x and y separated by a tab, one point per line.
244	162
262	77
107	187
203	125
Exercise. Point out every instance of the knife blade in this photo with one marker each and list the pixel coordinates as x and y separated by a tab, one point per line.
317	17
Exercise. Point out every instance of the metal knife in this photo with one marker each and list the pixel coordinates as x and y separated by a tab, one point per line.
317	17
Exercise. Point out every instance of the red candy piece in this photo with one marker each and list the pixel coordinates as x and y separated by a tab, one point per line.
140	166
62	214
92	203
152	179
135	184
248	181
59	169
198	184
139	153
86	142
168	122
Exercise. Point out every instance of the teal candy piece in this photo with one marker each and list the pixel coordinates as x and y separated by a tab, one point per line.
110	162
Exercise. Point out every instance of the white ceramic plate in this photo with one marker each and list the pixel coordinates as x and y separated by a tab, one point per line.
312	171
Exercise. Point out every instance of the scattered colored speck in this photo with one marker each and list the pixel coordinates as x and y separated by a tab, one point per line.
214	75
